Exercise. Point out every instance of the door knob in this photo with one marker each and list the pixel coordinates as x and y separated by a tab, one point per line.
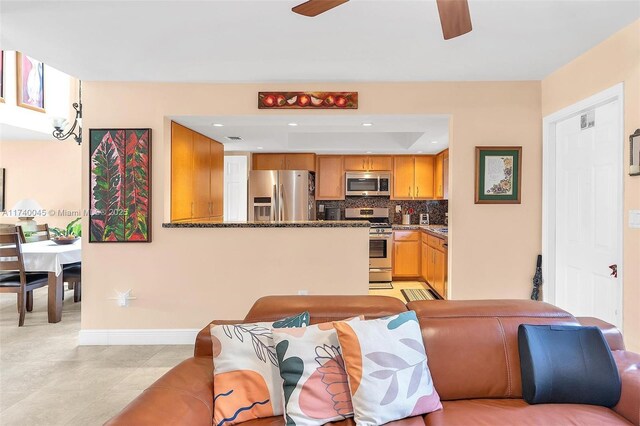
614	270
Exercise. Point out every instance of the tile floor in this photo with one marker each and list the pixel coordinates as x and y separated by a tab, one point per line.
47	379
397	286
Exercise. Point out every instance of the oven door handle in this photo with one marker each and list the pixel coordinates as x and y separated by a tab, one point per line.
380	237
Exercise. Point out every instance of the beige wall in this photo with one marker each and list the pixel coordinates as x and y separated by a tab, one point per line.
613	61
187	277
48	171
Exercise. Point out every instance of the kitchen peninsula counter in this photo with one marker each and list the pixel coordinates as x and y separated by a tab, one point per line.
435	230
292	224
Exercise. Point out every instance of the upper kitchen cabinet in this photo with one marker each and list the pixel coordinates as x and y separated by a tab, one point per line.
441	175
284	162
197	167
368	163
330	177
413	177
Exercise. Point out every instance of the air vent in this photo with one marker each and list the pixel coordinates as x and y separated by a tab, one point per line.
234	138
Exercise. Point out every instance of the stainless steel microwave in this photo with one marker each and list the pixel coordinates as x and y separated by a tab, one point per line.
368	184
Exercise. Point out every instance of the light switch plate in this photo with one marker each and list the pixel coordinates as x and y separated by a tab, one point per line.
634	219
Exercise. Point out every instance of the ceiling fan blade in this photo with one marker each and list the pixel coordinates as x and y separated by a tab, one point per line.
454	17
316	7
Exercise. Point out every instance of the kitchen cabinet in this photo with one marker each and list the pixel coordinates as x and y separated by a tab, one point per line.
329	177
197	164
413	177
368	163
406	254
284	162
434	258
441	175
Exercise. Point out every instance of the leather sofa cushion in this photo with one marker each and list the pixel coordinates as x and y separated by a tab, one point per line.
472	346
507	412
279	421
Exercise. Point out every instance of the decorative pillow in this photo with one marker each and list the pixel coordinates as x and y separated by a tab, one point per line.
315	385
247	383
387	368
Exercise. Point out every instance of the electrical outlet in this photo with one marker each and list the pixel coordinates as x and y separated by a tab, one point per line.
321	208
398	209
634	219
303	292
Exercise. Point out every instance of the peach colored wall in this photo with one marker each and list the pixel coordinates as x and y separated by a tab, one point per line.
615	60
48	171
187	277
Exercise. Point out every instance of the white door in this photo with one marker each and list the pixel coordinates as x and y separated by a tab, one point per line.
235	188
588	213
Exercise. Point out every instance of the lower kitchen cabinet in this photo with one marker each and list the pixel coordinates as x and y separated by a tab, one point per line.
434	257
406	254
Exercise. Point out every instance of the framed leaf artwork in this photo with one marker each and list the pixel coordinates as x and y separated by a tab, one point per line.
120	185
30	82
498	174
1	75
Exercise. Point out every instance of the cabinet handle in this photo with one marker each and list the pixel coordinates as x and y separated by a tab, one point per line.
409	191
417	192
363	167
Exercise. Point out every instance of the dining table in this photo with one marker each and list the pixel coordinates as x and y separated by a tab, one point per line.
50	257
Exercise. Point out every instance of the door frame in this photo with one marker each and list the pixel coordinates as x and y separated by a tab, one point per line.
612	94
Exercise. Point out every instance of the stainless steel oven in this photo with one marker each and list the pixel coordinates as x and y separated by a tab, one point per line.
380	240
368	184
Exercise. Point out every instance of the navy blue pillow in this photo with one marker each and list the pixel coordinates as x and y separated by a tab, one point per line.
567	364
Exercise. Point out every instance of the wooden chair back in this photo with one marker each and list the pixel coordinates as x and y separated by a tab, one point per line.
41	233
11	254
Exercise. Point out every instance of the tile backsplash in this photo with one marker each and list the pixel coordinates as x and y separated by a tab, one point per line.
435	208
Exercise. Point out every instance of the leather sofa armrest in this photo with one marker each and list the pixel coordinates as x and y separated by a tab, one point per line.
610	332
629	369
184	395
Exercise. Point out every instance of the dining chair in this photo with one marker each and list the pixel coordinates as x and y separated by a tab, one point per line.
13	278
41	233
72	275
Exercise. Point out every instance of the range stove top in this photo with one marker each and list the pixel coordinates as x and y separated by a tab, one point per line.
378	217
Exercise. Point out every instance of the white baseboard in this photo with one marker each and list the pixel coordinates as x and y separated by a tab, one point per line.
170	336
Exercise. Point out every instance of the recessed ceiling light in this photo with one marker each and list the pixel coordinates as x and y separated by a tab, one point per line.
419	152
367	124
259	147
368	152
293	124
218	125
434	141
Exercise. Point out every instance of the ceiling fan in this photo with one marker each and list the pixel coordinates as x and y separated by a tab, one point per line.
454	14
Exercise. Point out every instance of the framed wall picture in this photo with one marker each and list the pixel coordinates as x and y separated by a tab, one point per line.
120	185
1	75
307	100
634	146
1	189
30	82
498	174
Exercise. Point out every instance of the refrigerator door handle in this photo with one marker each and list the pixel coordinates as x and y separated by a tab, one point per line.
281	202
274	203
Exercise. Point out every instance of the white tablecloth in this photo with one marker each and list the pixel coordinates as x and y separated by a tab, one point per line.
47	256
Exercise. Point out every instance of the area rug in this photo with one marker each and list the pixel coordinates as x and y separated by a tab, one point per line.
380	286
412	294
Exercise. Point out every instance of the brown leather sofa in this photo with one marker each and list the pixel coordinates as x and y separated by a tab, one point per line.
473	357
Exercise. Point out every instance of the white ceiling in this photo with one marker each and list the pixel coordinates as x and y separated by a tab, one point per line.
263	41
389	134
13	133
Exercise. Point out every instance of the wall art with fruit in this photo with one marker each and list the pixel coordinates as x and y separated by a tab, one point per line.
299	100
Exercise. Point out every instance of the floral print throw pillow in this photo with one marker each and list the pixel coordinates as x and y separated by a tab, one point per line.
247	383
315	385
387	368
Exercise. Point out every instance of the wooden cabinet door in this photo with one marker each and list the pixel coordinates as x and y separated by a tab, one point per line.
330	177
439	272
300	162
201	176
268	162
356	162
431	265
424	262
406	258
438	176
424	177
380	163
216	180
403	177
181	172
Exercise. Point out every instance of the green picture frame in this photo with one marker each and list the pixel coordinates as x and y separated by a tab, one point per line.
498	175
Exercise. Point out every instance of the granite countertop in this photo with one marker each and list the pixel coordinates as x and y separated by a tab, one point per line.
296	224
435	230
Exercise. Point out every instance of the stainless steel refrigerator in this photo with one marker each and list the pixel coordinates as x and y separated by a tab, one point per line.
281	195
